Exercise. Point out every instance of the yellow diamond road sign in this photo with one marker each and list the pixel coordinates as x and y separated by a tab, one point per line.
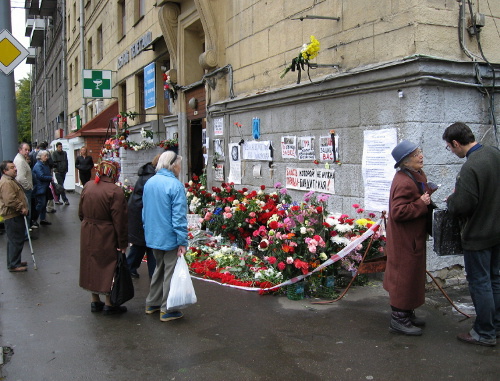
12	53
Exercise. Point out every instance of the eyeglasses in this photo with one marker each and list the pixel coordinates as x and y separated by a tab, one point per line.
448	148
417	153
173	160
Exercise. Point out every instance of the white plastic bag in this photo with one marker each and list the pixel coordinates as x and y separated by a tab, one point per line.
181	292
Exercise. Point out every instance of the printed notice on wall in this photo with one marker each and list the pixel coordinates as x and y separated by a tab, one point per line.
378	167
306	148
218	126
234	164
311	179
326	148
257	150
289	147
219	172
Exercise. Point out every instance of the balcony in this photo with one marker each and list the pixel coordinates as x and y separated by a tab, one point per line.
33	7
31	59
48	7
29	27
38	33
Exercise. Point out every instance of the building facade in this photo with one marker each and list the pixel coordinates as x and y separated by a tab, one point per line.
406	69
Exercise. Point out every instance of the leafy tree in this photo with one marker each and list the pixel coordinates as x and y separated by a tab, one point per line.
23	109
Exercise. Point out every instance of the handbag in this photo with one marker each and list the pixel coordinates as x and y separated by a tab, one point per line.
446	233
181	292
123	287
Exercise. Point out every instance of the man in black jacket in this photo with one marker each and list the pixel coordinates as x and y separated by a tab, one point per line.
60	159
476	201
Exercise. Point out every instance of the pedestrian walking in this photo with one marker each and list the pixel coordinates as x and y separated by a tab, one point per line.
164	215
476	202
13	208
136	239
60	159
103	235
84	164
404	277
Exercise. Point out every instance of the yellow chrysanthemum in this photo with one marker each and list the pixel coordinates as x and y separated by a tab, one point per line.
311	50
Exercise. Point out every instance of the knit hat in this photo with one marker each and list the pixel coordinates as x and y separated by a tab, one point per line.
107	168
402	150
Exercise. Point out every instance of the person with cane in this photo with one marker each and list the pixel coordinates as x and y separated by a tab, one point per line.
13	208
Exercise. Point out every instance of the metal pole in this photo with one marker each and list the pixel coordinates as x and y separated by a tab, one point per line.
8	119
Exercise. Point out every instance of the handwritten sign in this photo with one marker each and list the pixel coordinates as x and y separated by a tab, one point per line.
255	150
289	147
311	179
218	126
219	172
306	148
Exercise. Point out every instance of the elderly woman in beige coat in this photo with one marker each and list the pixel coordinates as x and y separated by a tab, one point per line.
404	277
104	234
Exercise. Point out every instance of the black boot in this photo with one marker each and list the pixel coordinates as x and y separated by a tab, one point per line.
417	322
401	323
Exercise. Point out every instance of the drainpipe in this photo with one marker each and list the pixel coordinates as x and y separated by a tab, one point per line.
63	66
45	79
82	59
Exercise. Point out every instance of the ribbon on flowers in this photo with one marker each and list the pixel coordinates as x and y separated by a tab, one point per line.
334	258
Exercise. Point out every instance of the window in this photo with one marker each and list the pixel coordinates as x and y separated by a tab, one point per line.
70	76
89	53
139	100
76	73
123	96
74	17
100	45
139	10
122	17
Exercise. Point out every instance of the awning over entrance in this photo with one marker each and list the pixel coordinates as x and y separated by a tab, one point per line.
98	126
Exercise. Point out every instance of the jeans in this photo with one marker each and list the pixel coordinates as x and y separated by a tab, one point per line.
41	208
483	275
60	177
134	258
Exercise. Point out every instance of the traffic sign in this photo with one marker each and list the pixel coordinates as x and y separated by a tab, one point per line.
96	83
12	53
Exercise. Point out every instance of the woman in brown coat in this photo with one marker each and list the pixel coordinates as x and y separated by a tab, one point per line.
104	234
404	277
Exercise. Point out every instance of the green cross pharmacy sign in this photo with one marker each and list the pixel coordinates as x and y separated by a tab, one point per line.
97	83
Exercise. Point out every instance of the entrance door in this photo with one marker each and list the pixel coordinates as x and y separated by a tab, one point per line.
196	160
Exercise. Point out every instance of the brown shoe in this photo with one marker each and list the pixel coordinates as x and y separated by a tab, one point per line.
467	338
19	269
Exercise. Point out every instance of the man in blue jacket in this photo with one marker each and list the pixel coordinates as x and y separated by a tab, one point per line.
476	201
164	215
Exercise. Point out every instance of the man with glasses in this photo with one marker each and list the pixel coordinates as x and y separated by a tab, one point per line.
476	202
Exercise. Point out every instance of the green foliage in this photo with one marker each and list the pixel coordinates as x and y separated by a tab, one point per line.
23	109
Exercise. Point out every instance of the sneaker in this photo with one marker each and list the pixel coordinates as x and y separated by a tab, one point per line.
58	203
152	309
45	222
66	202
35	225
167	316
51	211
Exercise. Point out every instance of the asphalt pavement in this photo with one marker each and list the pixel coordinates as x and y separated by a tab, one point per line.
47	326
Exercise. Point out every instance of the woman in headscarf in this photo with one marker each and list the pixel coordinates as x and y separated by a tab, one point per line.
104	235
404	277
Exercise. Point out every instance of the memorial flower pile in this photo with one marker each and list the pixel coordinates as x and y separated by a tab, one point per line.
267	237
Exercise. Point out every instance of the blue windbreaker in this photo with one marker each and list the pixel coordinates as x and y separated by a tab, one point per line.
164	212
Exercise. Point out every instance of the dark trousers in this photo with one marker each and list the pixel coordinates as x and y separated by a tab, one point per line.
60	177
16	231
135	255
84	176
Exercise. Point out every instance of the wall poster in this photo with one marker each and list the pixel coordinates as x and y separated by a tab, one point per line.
288	147
305	148
310	179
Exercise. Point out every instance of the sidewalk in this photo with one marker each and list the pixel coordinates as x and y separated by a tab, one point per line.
228	335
